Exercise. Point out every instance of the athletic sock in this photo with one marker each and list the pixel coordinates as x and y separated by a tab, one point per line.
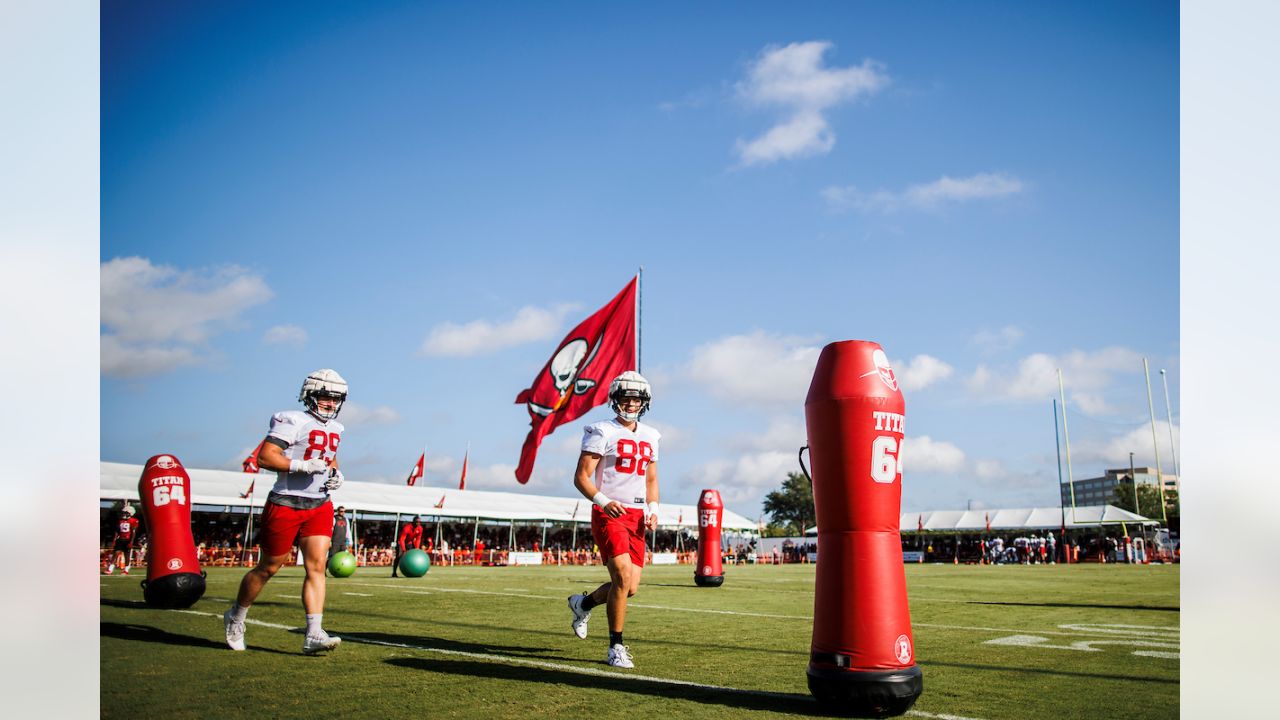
313	624
588	601
238	612
615	638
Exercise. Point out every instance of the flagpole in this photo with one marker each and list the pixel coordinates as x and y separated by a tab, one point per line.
248	528
639	313
1146	373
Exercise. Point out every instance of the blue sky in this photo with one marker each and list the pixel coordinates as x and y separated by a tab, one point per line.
425	197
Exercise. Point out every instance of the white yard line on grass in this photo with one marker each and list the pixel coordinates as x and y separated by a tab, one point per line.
513	660
1081	631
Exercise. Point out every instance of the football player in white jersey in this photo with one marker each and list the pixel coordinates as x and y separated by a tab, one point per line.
302	447
618	471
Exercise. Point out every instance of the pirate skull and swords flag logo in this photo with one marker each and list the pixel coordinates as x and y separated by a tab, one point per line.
577	376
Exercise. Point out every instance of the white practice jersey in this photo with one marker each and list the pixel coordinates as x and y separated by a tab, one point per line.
625	457
305	438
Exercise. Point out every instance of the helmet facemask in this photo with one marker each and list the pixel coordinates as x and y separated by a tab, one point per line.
629	385
323	384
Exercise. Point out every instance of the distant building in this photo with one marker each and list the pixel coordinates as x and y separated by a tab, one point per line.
1102	490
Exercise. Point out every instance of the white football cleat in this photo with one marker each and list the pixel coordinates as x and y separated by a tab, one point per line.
580	616
313	644
619	656
235	630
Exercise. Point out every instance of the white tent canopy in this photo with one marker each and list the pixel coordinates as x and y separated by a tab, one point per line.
1015	519
224	487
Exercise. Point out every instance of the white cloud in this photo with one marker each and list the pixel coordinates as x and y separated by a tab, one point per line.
156	318
356	414
285	335
925	196
1085	375
794	78
1113	451
745	480
997	340
756	369
921	372
921	453
480	337
989	469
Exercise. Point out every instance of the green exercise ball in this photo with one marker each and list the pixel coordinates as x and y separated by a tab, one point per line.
342	564
415	563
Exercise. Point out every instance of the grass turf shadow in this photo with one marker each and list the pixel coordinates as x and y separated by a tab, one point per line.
1096	606
148	633
420	641
732	698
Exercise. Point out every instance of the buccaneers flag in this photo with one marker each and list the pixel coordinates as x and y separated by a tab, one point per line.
251	463
416	472
577	376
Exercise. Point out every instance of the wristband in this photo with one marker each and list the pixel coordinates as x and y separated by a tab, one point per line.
601	499
653	508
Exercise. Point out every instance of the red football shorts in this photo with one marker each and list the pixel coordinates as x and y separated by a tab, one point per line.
282	526
619	536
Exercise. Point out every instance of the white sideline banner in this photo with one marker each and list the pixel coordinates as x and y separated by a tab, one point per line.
524	558
665	558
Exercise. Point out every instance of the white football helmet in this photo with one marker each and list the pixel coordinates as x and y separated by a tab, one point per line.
323	383
629	384
127	510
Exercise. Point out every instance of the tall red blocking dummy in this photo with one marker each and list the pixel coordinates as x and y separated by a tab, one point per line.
709	572
174	578
862	660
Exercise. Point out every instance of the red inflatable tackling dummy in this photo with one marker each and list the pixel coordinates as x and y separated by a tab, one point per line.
862	659
174	578
709	572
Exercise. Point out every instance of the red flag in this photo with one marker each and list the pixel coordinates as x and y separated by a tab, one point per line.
249	492
988	516
462	482
920	523
251	462
441	503
577	376
416	472
680	520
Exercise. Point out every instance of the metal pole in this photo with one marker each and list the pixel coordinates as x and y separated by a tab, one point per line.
1133	475
1058	447
248	530
1169	413
639	313
1146	373
1066	436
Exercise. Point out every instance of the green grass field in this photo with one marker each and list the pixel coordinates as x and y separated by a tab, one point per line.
996	643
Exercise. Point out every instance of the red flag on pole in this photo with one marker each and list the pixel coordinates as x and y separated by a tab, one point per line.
577	376
441	503
462	482
988	516
920	523
416	472
251	462
249	492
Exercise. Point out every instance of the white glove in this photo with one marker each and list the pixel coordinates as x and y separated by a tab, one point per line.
310	467
335	480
